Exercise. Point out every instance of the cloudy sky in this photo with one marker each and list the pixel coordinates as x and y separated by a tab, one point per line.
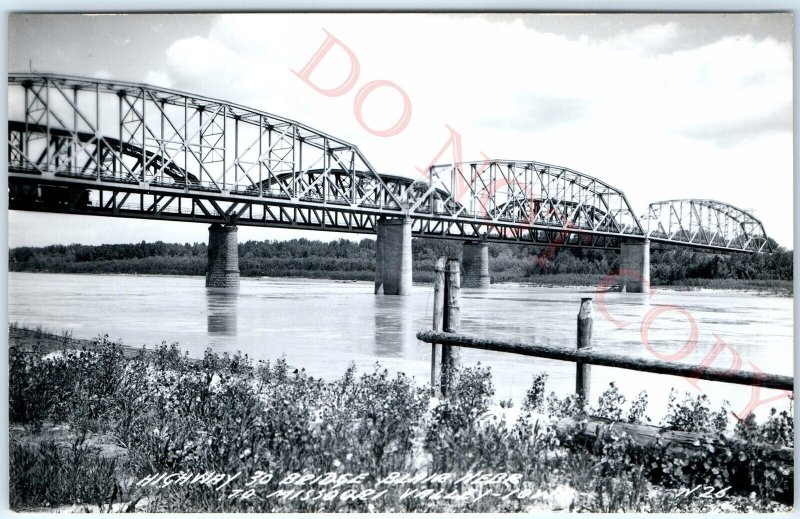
659	106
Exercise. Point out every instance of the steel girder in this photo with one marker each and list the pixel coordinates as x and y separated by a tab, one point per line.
707	224
75	195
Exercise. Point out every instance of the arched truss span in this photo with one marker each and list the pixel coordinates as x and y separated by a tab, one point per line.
331	186
542	196
225	147
705	223
100	155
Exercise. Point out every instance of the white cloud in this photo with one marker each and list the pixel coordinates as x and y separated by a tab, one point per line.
158	79
650	39
655	122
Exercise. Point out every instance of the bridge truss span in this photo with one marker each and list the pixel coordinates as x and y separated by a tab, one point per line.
541	198
110	148
112	132
706	224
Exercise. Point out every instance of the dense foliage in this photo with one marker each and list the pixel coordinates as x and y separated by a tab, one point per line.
345	259
88	424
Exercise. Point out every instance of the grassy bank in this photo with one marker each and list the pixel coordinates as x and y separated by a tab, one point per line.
766	286
91	420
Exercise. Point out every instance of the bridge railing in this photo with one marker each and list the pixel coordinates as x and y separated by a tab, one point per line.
445	340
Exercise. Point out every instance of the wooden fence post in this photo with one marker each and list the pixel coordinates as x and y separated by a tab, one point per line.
452	322
438	323
583	372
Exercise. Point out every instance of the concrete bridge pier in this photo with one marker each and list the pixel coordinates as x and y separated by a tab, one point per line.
634	266
475	260
223	257
393	257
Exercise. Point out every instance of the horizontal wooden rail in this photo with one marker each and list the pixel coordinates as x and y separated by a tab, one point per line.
612	360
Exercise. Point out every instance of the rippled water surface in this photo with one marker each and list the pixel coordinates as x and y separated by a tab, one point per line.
324	326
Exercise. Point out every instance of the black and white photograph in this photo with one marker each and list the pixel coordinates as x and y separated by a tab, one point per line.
388	262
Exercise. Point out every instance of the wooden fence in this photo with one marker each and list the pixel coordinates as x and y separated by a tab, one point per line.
445	341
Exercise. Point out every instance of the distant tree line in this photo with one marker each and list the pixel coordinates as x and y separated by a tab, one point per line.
345	259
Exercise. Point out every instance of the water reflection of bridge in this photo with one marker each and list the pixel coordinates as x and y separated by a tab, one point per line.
108	148
394	328
222	314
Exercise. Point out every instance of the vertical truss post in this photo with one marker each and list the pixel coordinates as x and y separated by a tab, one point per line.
297	165
260	155
161	144
144	137
47	120
326	166
185	137
200	161
120	122
74	144
97	129
225	148
25	141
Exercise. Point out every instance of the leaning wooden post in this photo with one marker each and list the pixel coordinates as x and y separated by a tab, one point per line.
438	323
452	322
583	372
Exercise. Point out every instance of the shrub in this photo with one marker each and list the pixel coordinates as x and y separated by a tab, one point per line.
535	397
454	420
569	406
636	413
49	475
694	414
610	403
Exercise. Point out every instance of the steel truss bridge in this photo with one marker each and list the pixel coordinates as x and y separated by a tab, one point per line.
108	148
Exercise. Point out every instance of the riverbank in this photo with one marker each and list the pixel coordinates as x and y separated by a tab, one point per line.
49	344
349	260
91	420
778	287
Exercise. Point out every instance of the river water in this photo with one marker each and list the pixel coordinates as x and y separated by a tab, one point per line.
323	326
